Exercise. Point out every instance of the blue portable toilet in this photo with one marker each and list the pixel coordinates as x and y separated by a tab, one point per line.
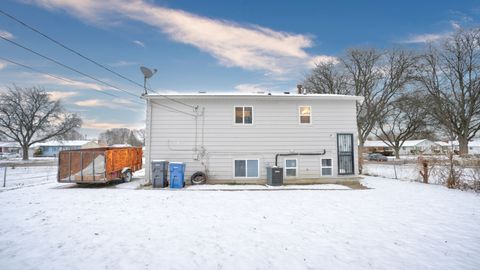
177	174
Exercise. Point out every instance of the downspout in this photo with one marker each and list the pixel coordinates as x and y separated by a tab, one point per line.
297	154
149	149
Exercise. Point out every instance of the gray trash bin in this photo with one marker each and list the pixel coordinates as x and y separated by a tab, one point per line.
159	173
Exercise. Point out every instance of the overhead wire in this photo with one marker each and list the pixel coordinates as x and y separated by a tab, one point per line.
66	66
52	75
70	81
87	58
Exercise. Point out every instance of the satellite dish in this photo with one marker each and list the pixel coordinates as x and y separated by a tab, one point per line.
147	73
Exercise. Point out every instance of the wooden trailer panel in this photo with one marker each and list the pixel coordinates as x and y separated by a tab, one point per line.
118	158
97	165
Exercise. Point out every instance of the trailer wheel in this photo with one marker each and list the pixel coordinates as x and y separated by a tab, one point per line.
198	178
127	176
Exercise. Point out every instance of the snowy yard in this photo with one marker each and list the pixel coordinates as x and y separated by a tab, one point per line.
410	172
394	225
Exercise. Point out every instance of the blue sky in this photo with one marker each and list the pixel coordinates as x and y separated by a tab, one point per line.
209	46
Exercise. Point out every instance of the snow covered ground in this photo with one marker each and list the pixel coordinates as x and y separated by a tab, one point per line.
18	177
394	225
410	172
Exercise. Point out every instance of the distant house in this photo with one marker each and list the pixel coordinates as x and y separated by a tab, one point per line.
473	146
10	147
444	146
409	147
378	147
51	148
120	145
415	147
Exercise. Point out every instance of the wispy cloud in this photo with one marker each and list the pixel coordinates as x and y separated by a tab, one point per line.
95	124
122	63
453	25
56	95
249	47
425	38
72	83
322	59
6	34
117	103
2	65
139	43
250	88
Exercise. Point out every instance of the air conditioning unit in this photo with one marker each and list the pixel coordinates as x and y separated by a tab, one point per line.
274	176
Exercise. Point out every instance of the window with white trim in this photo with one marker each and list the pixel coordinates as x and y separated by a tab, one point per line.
243	115
291	167
305	113
246	168
326	166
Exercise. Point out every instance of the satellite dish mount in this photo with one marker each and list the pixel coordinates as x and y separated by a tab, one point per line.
147	74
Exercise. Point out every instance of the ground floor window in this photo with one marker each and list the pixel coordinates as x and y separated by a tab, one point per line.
326	166
291	167
246	167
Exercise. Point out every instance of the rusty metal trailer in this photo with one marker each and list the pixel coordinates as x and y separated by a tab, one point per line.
98	165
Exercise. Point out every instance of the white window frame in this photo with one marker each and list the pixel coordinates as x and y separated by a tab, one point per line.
246	168
243	116
285	166
300	115
326	167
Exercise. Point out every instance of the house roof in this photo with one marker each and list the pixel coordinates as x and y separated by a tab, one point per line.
61	143
408	143
254	95
474	143
10	144
375	144
442	143
120	145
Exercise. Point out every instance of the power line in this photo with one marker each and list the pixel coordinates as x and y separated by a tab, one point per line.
70	81
67	67
173	109
53	76
86	58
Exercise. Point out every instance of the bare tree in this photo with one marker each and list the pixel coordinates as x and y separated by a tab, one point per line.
120	136
377	76
327	78
28	116
73	135
403	119
115	136
140	133
451	75
133	140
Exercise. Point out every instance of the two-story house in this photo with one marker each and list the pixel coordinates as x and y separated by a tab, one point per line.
235	137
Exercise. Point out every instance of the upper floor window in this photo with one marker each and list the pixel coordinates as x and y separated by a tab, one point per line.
305	114
243	115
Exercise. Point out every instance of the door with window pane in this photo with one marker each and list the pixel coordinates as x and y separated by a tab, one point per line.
345	154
